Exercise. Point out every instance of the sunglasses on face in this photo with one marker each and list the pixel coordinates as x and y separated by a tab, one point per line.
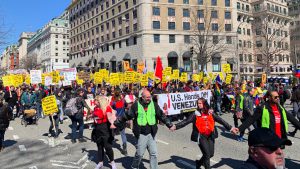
275	97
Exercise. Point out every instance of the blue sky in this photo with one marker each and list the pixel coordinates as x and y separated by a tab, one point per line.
28	15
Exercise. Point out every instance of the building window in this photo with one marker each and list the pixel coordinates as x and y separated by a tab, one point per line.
156	11
227	15
227	3
200	14
214	14
171	1
171	12
171	25
200	2
186	26
56	42
213	2
171	38
186	13
156	25
135	27
156	38
227	27
215	27
186	2
201	26
215	39
228	39
187	39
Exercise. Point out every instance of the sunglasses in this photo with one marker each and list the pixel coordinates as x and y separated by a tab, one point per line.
275	97
271	148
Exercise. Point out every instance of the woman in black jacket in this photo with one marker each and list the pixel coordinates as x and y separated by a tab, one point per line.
204	132
5	117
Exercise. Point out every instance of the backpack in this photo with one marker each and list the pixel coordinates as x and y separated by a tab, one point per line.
71	107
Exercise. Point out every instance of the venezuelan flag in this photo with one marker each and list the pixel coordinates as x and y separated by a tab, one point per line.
297	73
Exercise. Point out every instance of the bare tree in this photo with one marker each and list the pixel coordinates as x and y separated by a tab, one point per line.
271	41
29	62
209	35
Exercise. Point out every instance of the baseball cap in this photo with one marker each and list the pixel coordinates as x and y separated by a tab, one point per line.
266	137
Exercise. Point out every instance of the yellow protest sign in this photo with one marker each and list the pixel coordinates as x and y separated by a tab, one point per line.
228	78
114	79
263	78
55	77
226	68
195	78
184	77
150	75
205	80
92	76
49	105
144	80
98	78
201	76
140	67
121	77
129	77
137	77
79	81
175	74
126	65
27	79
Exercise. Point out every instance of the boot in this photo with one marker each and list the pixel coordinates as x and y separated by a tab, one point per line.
124	151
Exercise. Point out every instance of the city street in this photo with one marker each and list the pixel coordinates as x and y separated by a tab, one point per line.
30	148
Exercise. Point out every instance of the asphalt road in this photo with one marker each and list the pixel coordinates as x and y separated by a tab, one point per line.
30	148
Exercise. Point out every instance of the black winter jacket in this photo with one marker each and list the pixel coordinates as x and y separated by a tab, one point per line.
257	117
195	133
132	114
11	100
5	116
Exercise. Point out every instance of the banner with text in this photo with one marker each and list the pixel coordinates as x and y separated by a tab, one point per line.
176	103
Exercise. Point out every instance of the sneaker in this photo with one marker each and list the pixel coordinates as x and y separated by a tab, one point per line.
73	141
292	134
113	165
81	140
49	135
99	165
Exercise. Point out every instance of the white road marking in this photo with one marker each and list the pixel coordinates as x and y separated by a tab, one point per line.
22	148
10	128
84	157
186	164
51	142
16	137
33	167
65	166
160	141
43	140
57	161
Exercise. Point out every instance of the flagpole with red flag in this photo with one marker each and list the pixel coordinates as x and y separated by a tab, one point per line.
158	68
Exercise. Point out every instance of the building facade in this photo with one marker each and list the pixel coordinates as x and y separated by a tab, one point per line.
294	12
106	32
263	38
50	45
23	41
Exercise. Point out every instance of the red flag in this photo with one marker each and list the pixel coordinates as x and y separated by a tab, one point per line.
158	68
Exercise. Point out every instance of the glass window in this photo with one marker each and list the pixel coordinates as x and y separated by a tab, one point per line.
171	25
200	14
186	2
201	26
156	38
227	27
186	26
155	11
227	15
186	13
214	14
215	39
200	2
171	1
215	26
171	38
214	2
187	39
156	25
228	40
227	3
171	12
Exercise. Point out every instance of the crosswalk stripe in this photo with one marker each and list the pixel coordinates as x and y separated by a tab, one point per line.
16	137
22	148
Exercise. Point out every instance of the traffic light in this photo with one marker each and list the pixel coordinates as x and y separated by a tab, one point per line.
192	50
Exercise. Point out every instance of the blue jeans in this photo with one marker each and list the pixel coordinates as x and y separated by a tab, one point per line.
149	143
123	136
2	132
39	110
75	119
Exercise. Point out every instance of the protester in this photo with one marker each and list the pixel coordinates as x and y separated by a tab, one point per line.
102	134
265	150
204	132
145	114
11	98
295	101
5	117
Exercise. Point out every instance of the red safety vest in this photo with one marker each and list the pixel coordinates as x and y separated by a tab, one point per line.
205	124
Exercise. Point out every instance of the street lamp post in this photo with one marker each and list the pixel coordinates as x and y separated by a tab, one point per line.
237	46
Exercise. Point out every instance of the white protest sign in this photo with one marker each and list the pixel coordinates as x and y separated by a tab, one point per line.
91	104
48	80
176	103
35	76
67	83
69	76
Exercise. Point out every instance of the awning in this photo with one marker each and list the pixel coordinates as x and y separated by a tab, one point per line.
101	60
216	58
230	61
186	54
172	55
217	55
113	59
127	56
